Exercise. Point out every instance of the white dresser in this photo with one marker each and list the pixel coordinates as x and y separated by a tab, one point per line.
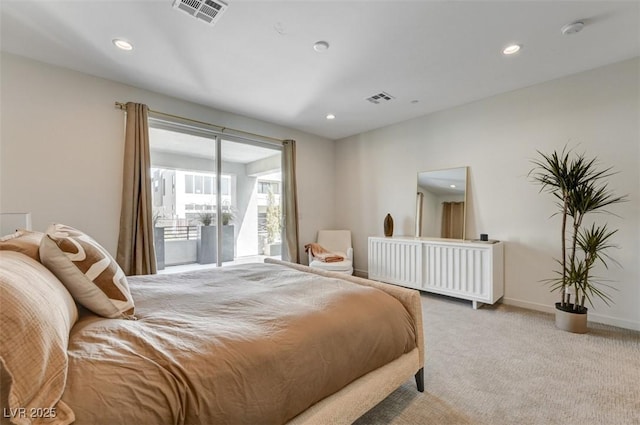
463	269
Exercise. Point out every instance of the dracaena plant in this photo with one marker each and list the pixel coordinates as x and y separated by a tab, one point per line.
580	188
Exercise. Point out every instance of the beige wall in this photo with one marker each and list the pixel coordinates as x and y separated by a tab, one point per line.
62	145
597	111
61	152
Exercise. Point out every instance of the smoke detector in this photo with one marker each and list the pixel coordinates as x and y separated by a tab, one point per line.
572	28
208	11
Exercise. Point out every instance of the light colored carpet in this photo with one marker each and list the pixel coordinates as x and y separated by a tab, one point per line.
505	365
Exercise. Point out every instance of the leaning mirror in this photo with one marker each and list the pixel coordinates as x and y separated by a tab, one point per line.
441	205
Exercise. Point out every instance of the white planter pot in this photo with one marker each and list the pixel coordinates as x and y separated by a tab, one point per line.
571	321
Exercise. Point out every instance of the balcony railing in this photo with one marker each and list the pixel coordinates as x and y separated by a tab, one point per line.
181	233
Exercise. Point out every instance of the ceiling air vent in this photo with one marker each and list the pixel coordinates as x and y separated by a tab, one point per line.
380	98
208	11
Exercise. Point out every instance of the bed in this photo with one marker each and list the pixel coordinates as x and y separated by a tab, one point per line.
267	343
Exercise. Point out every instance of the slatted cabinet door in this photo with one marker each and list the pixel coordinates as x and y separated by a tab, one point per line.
396	261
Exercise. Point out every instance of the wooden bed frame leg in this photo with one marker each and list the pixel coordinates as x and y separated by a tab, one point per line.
420	380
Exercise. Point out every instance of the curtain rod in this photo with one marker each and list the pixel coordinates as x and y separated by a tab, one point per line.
123	106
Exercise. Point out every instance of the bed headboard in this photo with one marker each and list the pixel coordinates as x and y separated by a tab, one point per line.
10	222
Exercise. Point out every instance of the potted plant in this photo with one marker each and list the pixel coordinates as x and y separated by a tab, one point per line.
227	216
580	188
228	232
207	244
206	218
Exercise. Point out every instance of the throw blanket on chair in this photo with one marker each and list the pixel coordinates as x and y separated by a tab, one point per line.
322	254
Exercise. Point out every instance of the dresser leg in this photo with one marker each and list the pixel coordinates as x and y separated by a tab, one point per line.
476	305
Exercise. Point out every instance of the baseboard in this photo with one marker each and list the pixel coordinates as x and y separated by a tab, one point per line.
361	273
529	305
593	317
614	321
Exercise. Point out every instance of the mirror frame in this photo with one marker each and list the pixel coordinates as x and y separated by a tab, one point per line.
420	201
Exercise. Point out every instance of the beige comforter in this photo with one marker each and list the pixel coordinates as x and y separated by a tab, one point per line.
253	344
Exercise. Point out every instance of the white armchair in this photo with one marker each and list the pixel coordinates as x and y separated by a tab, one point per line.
338	242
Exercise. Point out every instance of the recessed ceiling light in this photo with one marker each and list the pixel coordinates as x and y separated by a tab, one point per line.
331	117
512	49
122	44
321	46
453	186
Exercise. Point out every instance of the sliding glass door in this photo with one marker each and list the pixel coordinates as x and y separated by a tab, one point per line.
216	199
254	209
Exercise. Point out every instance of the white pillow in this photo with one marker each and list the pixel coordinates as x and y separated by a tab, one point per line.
35	320
24	241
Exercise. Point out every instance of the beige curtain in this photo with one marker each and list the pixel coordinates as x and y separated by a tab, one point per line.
136	253
290	203
453	220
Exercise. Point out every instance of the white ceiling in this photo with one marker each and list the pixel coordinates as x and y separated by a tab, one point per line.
258	60
440	182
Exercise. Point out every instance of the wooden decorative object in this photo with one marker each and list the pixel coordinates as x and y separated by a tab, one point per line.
388	225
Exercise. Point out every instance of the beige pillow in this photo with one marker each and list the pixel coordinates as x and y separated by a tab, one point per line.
90	274
35	320
24	241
